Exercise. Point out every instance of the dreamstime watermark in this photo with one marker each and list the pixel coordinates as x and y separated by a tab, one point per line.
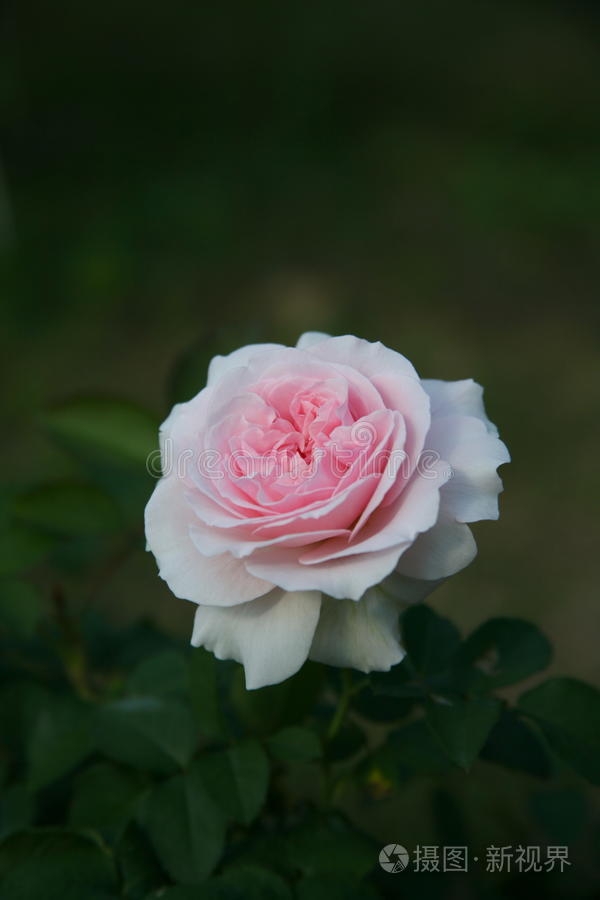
361	452
394	858
215	465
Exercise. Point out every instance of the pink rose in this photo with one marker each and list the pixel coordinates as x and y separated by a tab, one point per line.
298	480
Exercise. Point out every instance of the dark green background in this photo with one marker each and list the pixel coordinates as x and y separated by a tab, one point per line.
422	174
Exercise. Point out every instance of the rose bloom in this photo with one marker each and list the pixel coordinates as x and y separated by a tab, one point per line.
313	491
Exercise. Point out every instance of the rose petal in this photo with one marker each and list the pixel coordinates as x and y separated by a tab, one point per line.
219	365
372	359
212	535
415	511
342	578
474	454
220	580
408	590
362	634
442	551
463	398
271	636
309	338
210	542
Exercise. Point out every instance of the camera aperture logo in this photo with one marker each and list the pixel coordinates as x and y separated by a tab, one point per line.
512	858
393	858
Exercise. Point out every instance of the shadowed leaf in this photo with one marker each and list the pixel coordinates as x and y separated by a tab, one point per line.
185	826
514	744
502	651
568	712
462	726
56	864
152	733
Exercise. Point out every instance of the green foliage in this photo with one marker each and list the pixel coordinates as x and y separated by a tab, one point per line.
462	726
295	744
416	749
202	675
185	827
561	813
163	675
334	887
21	548
263	712
21	607
104	798
514	744
17	809
379	707
61	738
57	864
247	883
165	780
430	640
501	652
70	509
104	428
140	870
237	779
349	740
568	713
330	846
156	734
22	702
249	775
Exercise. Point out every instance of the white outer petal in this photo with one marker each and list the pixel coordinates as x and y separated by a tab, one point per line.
220	580
309	338
442	551
180	429
362	635
373	359
408	590
463	435
270	636
221	364
474	455
458	397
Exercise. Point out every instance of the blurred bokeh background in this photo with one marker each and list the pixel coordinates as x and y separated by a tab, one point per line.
191	177
422	174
